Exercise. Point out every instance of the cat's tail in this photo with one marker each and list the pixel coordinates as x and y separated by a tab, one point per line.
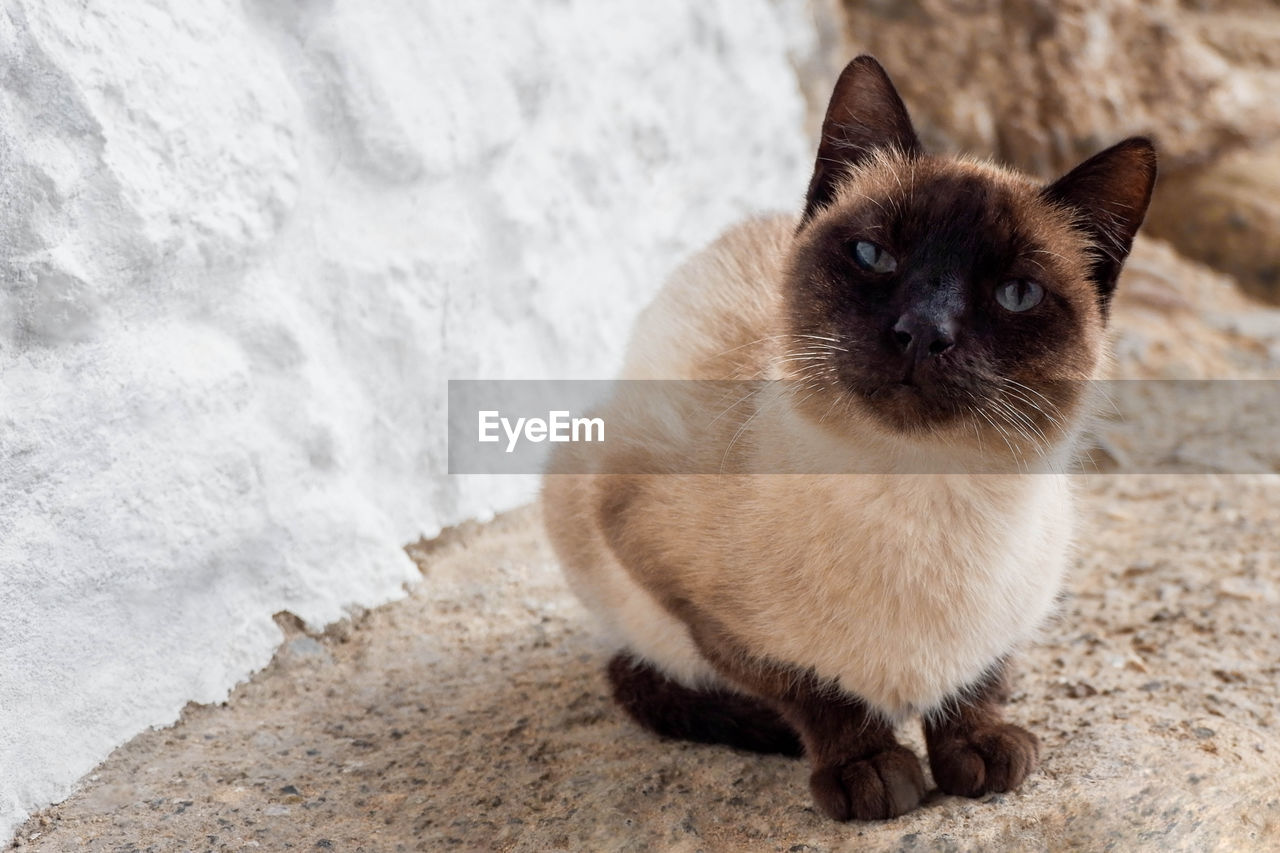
707	715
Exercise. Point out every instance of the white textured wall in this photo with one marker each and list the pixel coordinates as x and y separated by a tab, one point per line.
242	247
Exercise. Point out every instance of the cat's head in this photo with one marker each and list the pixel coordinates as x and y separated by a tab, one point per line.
931	295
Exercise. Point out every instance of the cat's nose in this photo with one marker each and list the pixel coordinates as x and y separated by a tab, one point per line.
923	337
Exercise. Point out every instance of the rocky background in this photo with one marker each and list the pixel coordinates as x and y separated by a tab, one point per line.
473	714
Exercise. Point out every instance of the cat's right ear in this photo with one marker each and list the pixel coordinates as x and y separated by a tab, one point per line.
865	115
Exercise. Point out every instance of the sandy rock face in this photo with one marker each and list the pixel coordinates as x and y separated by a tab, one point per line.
1042	85
1175	319
1227	214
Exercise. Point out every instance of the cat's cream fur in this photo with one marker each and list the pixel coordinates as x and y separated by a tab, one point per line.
901	587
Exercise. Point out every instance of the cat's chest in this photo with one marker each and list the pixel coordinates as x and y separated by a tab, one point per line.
912	595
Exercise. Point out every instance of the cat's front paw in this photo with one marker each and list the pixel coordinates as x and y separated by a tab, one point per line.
987	759
881	786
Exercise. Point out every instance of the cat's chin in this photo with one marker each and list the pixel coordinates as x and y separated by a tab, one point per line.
909	408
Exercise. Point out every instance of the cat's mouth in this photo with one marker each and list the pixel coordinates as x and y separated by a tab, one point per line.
913	402
911	397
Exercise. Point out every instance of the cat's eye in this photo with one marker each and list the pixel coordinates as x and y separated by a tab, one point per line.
873	258
1019	294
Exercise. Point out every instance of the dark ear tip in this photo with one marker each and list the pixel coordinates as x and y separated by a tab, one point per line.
1143	148
864	64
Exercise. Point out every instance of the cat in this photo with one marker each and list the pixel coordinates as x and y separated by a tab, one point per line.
928	326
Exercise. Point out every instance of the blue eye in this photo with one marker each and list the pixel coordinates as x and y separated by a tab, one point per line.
873	258
1019	294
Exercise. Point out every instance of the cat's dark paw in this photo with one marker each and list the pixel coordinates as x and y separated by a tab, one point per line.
882	786
988	759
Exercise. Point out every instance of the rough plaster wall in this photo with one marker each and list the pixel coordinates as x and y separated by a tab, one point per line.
243	245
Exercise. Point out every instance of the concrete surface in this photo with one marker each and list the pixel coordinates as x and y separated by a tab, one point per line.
473	715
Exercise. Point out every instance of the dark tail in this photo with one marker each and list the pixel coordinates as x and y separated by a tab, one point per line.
714	715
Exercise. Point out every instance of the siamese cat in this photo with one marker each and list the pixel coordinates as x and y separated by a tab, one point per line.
928	326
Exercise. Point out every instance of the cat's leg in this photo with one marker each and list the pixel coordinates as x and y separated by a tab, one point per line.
858	770
705	715
972	751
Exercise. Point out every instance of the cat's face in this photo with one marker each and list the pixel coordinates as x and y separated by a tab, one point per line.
932	291
932	294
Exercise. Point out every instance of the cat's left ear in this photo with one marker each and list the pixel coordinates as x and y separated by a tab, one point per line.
1110	191
865	115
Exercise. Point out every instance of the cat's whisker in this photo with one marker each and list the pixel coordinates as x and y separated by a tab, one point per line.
723	353
1018	391
739	402
1013	383
1012	418
1101	389
1040	251
1017	457
738	434
1044	442
813	337
835	399
1014	414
